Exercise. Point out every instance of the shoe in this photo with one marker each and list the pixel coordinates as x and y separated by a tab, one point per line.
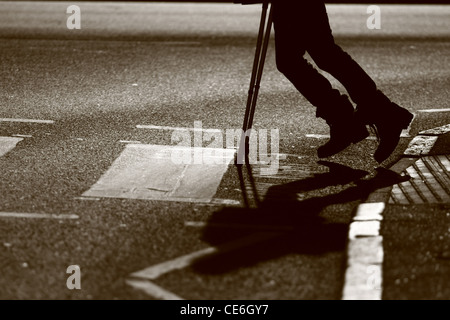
388	120
345	129
342	135
389	130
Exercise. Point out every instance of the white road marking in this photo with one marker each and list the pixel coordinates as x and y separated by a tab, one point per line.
436	131
142	126
226	202
7	144
369	211
182	262
435	110
359	229
404	134
22	135
87	198
364	274
37	215
26	120
363	277
156	172
152	289
420	145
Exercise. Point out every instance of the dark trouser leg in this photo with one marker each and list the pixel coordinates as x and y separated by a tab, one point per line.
303	26
296	22
290	46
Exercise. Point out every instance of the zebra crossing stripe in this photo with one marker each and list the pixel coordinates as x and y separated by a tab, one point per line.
152	289
8	143
37	215
149	172
26	120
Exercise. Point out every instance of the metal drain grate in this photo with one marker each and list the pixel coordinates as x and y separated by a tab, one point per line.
429	183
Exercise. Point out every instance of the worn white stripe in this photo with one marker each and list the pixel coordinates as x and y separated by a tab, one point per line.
182	262
22	135
145	126
435	110
420	145
360	229
7	144
327	136
227	202
363	276
152	289
369	211
37	215
436	131
26	120
169	173
87	198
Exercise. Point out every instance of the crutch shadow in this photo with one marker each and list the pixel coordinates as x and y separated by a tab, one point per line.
285	224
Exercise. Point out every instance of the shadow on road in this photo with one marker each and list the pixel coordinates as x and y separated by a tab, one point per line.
296	226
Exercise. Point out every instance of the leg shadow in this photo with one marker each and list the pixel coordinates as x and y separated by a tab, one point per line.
287	225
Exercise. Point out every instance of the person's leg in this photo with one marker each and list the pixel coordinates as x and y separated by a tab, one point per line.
374	108
292	23
330	57
290	41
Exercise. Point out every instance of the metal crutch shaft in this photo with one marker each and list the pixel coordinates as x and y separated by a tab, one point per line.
258	66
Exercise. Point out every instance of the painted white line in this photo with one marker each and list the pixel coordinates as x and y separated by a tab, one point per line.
152	289
182	262
87	198
22	135
363	276
168	173
37	215
26	120
435	110
226	202
420	145
436	131
142	126
360	229
369	211
7	144
363	279
327	136
130	141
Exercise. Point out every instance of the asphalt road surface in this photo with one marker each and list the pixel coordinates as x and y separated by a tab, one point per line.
91	119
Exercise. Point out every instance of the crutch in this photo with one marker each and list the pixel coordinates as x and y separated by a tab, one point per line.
255	80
